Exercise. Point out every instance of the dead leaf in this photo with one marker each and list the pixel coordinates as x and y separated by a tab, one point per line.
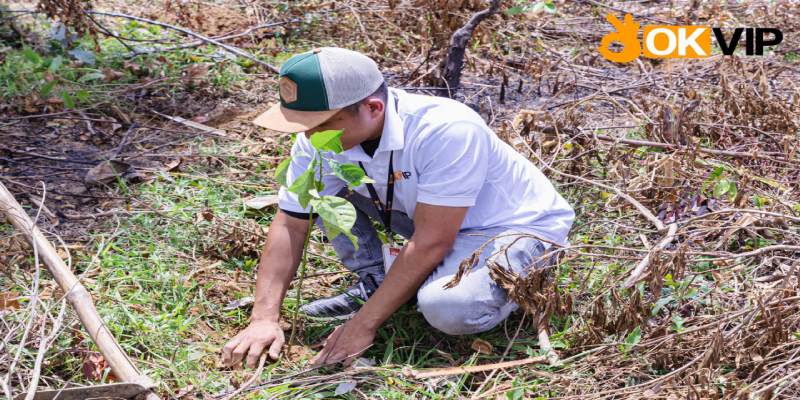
260	202
244	301
196	73
184	391
111	75
482	346
94	366
344	387
106	172
172	165
9	301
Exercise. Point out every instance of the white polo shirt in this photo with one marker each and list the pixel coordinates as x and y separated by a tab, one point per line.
446	155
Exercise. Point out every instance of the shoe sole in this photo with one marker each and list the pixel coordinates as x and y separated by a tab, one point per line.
330	319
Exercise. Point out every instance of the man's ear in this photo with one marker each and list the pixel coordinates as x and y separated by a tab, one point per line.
375	106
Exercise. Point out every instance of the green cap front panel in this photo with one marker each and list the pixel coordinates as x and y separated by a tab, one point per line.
308	93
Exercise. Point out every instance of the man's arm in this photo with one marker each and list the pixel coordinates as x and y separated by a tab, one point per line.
435	230
278	265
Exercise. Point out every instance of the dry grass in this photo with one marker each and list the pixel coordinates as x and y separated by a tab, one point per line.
691	166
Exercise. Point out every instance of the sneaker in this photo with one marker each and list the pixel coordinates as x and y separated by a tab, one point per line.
344	305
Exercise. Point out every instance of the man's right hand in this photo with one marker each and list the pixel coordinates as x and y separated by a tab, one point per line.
251	342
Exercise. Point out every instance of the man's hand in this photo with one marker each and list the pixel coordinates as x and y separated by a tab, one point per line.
251	342
344	344
435	230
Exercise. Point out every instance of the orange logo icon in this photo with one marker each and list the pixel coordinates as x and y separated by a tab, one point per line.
626	34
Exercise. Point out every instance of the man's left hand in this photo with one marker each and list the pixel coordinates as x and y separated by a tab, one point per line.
344	344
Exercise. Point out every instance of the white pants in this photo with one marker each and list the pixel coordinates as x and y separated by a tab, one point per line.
477	303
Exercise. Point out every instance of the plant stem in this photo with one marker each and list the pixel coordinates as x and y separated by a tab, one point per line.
303	263
299	289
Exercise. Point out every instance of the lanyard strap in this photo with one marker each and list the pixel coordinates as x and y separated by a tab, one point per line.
385	212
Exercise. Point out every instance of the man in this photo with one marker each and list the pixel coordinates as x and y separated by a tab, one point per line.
452	186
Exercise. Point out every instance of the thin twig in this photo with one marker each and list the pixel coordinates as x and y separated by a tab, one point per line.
231	49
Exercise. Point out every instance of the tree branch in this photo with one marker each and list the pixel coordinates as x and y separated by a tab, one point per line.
451	74
231	49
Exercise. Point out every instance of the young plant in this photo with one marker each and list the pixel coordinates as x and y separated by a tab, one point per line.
338	215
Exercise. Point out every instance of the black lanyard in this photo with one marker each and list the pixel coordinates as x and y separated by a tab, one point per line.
385	212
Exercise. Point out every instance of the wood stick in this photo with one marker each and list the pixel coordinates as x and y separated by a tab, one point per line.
76	294
198	43
439	372
641	268
192	124
660	145
544	343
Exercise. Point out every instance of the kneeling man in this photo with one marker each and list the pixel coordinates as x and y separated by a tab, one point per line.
443	180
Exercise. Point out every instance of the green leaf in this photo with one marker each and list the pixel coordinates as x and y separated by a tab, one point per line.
632	339
280	171
732	191
677	323
350	173
515	394
45	90
302	185
328	141
717	172
515	10
55	64
82	95
69	102
31	55
338	216
92	76
725	186
84	56
660	304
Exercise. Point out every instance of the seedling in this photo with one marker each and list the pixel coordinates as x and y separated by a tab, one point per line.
338	215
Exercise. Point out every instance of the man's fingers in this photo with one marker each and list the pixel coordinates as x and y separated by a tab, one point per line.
275	348
255	351
318	358
349	361
227	350
239	353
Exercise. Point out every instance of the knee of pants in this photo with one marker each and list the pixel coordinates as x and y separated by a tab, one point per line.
456	312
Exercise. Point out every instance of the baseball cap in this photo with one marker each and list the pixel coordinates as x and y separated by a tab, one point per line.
315	85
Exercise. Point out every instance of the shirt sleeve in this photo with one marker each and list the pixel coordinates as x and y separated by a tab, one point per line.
302	154
452	165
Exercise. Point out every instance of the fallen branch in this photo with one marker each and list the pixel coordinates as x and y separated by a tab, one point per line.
660	145
439	372
75	293
544	343
639	272
451	73
197	43
206	39
192	124
751	253
246	385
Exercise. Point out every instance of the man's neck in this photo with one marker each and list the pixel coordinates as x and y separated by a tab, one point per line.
371	145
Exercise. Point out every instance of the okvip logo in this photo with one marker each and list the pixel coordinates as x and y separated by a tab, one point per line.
679	41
